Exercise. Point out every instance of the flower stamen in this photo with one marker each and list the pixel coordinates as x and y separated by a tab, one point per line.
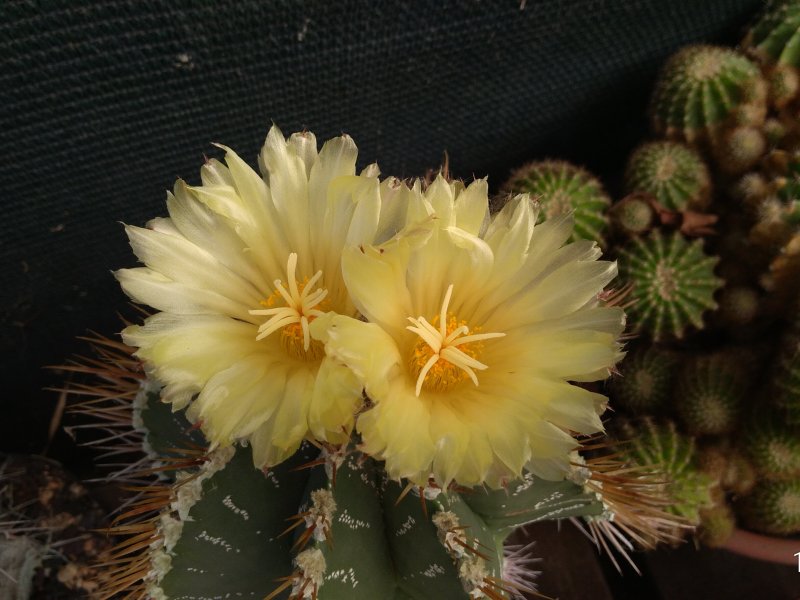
436	353
302	307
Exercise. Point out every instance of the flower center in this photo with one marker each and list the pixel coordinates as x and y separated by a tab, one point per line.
301	306
447	354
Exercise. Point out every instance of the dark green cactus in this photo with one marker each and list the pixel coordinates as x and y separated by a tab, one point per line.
787	381
633	215
328	525
704	89
716	525
773	447
645	381
710	394
773	507
672	173
775	38
560	188
673	283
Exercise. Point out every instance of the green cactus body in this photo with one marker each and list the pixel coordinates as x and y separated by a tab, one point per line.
740	476
775	38
331	526
644	385
740	148
633	215
710	394
716	525
787	380
672	173
773	507
673	283
702	89
560	188
660	444
773	447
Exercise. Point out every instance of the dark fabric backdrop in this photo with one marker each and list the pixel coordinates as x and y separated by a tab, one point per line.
104	104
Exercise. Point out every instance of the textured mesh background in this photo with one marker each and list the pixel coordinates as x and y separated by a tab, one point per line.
103	105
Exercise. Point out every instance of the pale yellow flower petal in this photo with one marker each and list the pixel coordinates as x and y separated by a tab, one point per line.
480	386
334	403
365	348
472	209
238	400
387	302
397	430
152	288
182	261
241	270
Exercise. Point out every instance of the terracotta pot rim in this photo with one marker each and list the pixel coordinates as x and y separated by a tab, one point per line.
763	547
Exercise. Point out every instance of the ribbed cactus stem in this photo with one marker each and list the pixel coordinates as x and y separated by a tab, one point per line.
672	173
561	187
673	283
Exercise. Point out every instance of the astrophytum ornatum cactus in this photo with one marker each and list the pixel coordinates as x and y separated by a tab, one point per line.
324	525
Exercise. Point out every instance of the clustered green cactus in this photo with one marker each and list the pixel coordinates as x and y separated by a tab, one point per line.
733	120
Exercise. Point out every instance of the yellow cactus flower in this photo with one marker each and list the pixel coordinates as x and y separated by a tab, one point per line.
474	340
239	271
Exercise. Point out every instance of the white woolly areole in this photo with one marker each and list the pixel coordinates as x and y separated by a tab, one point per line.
147	387
472	569
320	515
578	473
189	493
333	460
311	570
171	528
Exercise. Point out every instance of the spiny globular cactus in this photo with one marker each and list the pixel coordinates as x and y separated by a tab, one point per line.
710	394
645	381
704	90
327	525
653	443
775	38
673	283
773	446
561	187
787	382
773	507
672	173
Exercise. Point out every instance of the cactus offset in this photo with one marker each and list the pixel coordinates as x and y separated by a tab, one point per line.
702	90
710	394
673	283
652	443
673	174
773	507
561	188
773	447
644	385
775	38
